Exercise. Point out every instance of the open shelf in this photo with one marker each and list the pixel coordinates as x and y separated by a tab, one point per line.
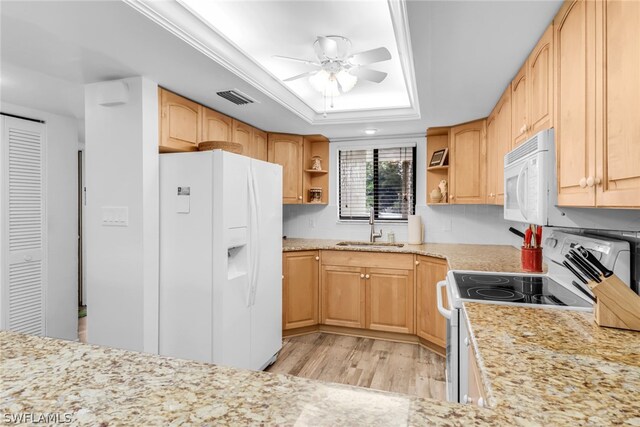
316	172
437	168
437	204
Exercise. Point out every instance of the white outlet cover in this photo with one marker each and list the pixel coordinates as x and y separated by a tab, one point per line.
115	216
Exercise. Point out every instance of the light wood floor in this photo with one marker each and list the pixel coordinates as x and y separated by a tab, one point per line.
364	362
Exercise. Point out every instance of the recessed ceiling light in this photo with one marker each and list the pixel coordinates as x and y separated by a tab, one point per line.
370	131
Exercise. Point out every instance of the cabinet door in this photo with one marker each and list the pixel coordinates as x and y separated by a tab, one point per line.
215	126
468	163
179	122
431	325
390	300
574	108
503	145
343	296
243	135
540	75
618	104
286	150
300	289
475	394
519	93
259	146
492	157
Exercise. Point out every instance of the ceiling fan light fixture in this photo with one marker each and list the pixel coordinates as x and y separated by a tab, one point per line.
347	80
325	83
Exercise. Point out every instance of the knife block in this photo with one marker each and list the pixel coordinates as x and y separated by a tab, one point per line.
617	306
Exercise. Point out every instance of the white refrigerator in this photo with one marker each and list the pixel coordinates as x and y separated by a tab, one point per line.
220	259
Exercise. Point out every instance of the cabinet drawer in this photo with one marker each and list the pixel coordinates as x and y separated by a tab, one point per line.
368	259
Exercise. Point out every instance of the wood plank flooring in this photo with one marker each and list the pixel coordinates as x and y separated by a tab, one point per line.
364	362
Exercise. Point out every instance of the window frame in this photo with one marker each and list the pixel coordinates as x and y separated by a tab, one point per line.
360	219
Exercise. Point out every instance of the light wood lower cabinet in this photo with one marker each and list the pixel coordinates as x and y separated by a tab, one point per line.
389	297
368	290
431	325
475	392
343	296
300	289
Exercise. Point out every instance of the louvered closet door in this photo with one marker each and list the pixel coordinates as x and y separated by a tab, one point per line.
23	218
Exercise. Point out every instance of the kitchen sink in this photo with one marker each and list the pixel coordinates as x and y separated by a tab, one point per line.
371	244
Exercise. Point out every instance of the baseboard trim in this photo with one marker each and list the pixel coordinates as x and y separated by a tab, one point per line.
366	333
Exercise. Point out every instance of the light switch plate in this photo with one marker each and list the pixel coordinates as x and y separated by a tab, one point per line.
115	216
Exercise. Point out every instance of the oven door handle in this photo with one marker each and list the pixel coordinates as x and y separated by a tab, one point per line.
445	312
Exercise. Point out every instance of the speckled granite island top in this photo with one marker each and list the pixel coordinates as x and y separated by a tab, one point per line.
556	367
459	256
104	386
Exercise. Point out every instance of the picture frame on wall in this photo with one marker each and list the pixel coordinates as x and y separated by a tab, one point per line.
439	157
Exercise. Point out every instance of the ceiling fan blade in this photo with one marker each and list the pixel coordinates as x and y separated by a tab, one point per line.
326	48
299	76
304	61
370	56
367	74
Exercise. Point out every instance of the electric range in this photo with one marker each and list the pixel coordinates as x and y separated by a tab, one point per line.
553	290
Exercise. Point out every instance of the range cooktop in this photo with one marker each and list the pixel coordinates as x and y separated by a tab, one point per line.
515	289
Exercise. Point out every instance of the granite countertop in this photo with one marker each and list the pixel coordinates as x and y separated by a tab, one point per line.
556	367
459	256
105	386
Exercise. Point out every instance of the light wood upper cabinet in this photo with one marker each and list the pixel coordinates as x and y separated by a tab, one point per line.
389	300
286	150
519	113
343	296
468	163
300	289
532	92
431	325
179	122
574	108
617	176
259	146
215	126
498	145
540	71
243	135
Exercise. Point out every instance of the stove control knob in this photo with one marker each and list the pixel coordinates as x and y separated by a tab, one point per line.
466	399
551	242
466	342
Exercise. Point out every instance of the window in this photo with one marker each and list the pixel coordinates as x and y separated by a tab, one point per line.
382	178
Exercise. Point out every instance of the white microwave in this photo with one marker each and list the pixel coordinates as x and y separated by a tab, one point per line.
530	180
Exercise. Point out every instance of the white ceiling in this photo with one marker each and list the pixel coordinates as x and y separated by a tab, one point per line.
465	53
290	29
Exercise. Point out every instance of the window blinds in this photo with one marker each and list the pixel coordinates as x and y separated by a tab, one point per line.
381	178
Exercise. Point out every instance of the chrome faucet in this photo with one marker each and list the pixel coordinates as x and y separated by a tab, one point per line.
373	235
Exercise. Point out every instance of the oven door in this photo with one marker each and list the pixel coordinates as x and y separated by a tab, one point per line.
453	343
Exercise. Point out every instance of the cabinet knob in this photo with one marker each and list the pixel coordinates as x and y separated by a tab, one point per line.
467	399
417	262
317	258
299	197
366	276
452	197
583	182
283	277
362	276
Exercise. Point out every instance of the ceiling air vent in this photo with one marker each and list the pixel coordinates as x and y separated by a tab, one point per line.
236	97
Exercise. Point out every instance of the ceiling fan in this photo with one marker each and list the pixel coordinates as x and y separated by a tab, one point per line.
337	70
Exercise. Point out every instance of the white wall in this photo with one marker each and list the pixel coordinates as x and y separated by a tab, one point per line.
62	219
477	224
122	262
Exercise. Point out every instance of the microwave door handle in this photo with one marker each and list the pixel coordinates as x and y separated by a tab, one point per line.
520	199
445	312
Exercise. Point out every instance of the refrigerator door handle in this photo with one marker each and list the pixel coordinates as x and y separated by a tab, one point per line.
254	238
256	242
